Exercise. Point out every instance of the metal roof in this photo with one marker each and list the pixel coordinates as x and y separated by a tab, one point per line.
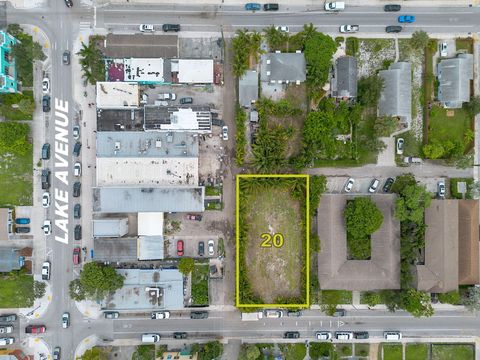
454	77
115	249
148	199
194	118
151	247
110	227
344	83
248	88
468	246
396	96
195	71
283	67
9	259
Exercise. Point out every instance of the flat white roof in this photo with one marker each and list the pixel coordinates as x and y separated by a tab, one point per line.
147	171
150	223
148	70
117	95
195	71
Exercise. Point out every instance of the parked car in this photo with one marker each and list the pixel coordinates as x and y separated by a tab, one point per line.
8	318
392	335
180	248
46	103
349	28
46	151
393	29
76	132
441	188
225	133
349	185
7	341
69	3
167	96
443	49
344	335
273	314
400	146
199	315
22	221
392	7
77	186
373	186
323	335
339	312
46	270
160	315
56	353
388	185
201	248
22	229
283	28
291	335
147	28
46	85
270	7
406	19
111	314
196	217
47	227
412	160
211	249
186	100
77	211
35	329
66	57
45	179
77	169
171	27
76	148
294	313
179	335
78	232
253	6
46	199
76	256
6	329
361	335
65	320
334	6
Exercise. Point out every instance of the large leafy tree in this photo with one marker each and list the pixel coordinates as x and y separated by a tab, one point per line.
419	39
411	204
275	38
417	303
186	265
369	89
319	49
14	138
96	281
249	352
91	60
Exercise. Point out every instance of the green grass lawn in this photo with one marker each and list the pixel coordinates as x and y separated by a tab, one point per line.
213	190
342	296
16	290
293	351
344	349
362	349
392	351
416	352
464	44
16	179
15	113
200	284
453	352
443	128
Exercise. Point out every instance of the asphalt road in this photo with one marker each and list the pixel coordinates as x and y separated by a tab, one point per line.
61	25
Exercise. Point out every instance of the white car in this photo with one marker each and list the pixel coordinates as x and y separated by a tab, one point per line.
283	28
7	341
46	270
46	85
6	329
77	169
349	185
147	28
46	199
160	315
373	186
211	250
47	227
400	144
65	320
443	49
76	132
225	133
349	28
323	335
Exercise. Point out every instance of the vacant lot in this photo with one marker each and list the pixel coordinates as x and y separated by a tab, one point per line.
16	290
275	272
392	352
15	179
416	352
200	285
453	352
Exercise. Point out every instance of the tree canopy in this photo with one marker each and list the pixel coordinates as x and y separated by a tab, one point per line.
319	50
369	89
417	303
245	45
14	138
91	60
186	265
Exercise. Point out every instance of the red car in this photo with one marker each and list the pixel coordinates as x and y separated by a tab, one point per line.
180	248
194	217
35	329
76	256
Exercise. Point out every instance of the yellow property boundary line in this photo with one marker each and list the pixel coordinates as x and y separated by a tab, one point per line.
237	236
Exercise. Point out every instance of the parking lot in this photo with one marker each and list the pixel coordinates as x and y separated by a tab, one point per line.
190	244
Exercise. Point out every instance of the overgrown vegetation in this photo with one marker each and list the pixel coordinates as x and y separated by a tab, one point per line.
330	299
454	188
186	265
246	46
200	284
241	135
210	351
92	62
17	106
144	352
452	297
352	46
321	350
293	351
96	353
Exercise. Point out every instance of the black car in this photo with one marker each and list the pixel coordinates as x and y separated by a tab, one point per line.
46	103
361	335
77	211
270	7
291	335
392	7
201	248
393	29
76	189
171	27
293	313
199	315
388	185
56	353
66	57
76	148
339	312
179	335
8	318
46	151
69	3
45	179
22	229
78	232
186	100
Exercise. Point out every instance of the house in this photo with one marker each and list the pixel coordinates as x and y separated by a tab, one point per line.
248	88
335	270
396	96
8	72
283	68
344	79
454	76
10	259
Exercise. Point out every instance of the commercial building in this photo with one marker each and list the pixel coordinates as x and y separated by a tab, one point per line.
110	227
192	71
8	72
197	119
117	95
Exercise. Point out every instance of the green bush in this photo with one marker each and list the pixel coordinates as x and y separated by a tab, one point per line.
452	297
241	136
352	46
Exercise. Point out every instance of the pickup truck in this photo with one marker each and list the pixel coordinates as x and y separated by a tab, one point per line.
349	28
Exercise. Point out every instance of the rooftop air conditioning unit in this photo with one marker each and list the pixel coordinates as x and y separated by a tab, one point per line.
268	61
117	145
158	143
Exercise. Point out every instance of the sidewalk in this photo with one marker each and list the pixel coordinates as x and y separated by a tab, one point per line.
89	309
36	346
40	306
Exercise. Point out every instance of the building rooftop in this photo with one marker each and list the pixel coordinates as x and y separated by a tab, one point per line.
335	271
151	247
283	67
167	118
344	81
248	88
110	227
5	223
468	247
144	70
139	45
139	144
148	290
148	199
117	95
193	71
9	259
120	119
454	77
167	171
115	250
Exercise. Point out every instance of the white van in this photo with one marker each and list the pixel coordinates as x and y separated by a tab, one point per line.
392	335
150	338
335	6
344	335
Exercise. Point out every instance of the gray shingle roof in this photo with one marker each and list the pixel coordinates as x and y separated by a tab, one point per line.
248	88
454	76
335	271
396	96
344	83
283	67
9	259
